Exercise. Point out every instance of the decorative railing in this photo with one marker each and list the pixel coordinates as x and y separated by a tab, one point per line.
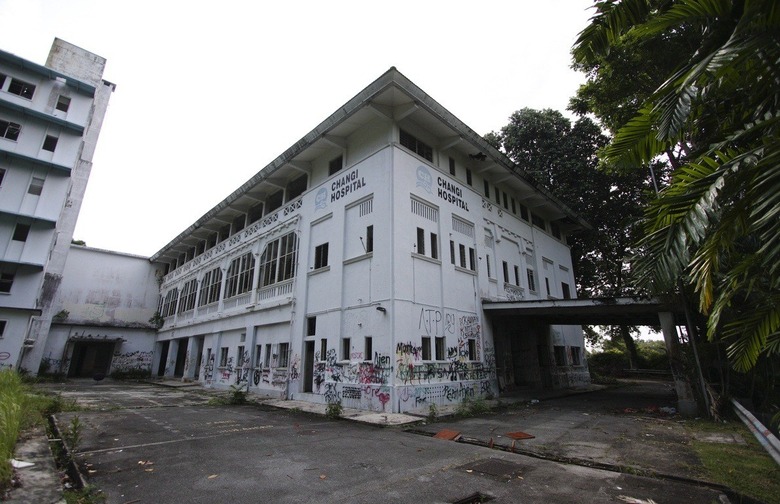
275	290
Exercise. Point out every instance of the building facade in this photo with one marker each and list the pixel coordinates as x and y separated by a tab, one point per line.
353	268
50	119
101	316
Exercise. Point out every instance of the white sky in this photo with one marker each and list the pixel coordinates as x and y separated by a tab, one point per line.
208	93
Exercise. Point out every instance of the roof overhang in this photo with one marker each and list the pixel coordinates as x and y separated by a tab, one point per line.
598	311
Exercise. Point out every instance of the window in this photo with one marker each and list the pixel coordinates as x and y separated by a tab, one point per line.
368	351
440	348
169	303
487	263
311	326
323	348
296	187
3	323
506	201
21	232
547	285
498	195
426	348
531	279
2	175
462	255
238	223
335	165
434	246
346	347
514	206
63	103
555	230
274	201
277	263
188	292
517	276
210	287
452	167
472	259
21	88
223	357
524	213
421	241
505	267
560	355
472	349
538	221
240	275
36	186
240	358
452	252
321	256
369	239
284	357
468	176
418	147
487	189
6	281
223	233
50	143
9	130
2	80
254	213
267	360
576	356
258	355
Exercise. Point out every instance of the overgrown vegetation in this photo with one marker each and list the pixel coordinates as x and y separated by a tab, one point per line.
334	410
472	407
21	409
755	475
235	396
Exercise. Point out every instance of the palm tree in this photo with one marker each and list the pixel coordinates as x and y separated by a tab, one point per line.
717	224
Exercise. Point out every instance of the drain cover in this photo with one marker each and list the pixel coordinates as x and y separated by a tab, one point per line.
502	470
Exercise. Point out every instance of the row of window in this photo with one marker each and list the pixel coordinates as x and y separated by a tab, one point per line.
10	131
27	90
264	358
277	264
294	188
425	151
35	187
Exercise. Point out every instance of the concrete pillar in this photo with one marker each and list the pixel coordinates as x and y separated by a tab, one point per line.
191	366
686	401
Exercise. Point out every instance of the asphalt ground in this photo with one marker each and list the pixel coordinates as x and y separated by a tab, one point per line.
142	443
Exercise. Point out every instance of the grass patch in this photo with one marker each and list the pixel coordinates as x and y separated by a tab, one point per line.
472	407
746	468
21	409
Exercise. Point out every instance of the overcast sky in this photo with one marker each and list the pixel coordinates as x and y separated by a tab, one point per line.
208	93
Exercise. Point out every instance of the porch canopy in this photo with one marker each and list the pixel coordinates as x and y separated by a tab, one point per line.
596	311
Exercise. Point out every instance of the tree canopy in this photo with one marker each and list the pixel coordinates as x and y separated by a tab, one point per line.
714	116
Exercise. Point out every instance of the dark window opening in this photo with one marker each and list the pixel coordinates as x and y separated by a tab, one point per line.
417	146
311	326
426	348
21	88
452	167
9	130
50	143
296	187
21	232
335	165
274	201
321	256
63	103
369	239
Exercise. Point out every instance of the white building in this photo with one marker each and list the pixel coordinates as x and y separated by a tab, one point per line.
50	119
354	268
101	316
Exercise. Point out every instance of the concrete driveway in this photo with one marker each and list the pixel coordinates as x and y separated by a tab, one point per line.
144	443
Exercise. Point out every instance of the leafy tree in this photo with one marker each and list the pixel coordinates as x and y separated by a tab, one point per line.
563	157
715	116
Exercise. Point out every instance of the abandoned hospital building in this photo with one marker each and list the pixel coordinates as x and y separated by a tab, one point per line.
367	264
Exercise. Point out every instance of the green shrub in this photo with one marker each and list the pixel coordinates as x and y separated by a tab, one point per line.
334	410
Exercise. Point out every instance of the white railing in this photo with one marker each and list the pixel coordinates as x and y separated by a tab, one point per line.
272	291
236	301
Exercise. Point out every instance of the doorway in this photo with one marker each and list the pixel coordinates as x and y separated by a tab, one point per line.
163	358
308	367
91	359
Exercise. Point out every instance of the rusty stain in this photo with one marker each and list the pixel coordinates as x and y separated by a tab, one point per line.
520	435
449	435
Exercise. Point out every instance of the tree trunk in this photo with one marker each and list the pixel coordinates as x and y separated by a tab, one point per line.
633	357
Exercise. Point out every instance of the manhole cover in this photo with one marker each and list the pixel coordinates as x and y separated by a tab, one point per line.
500	469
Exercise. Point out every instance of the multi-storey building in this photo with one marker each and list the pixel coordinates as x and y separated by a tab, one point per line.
354	268
50	119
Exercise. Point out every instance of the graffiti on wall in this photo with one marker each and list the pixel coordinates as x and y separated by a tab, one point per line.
132	361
